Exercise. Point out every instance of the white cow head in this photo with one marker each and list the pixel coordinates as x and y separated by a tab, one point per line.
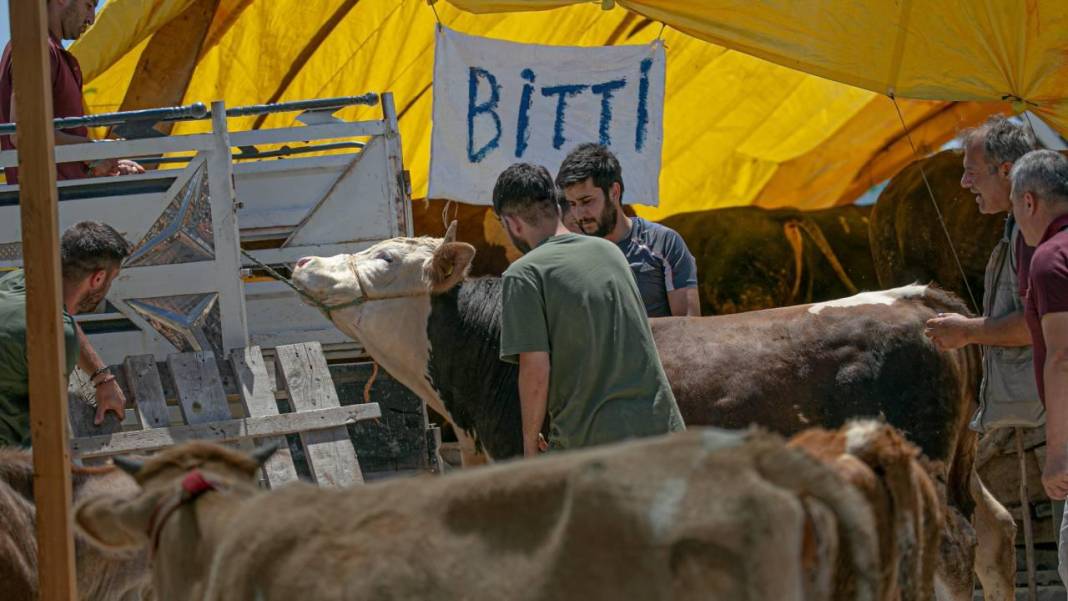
382	299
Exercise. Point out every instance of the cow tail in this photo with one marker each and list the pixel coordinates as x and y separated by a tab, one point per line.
805	475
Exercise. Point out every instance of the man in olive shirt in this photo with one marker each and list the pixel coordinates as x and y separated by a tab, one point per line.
91	254
570	307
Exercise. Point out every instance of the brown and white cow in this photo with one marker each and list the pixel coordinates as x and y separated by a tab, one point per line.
101	576
697	515
919	534
785	369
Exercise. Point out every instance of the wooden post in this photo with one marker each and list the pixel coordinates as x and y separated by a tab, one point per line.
40	252
1025	512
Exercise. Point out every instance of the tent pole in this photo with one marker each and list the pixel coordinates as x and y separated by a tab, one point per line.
40	255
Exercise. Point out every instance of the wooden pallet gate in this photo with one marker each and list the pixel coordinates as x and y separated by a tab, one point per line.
194	383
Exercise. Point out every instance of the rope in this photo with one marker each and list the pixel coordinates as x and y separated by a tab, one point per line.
938	211
281	278
436	15
370	382
326	309
793	238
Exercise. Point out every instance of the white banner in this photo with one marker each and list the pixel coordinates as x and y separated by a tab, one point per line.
498	103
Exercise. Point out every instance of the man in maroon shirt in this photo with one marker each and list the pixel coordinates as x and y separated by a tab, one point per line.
1040	204
67	19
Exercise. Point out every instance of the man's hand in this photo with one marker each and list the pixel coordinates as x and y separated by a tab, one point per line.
109	167
950	331
128	167
1055	474
109	397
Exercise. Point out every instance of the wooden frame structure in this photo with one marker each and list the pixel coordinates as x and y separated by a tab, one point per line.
40	235
184	398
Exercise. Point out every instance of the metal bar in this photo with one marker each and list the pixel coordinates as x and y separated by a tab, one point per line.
308	132
175	113
369	99
198	110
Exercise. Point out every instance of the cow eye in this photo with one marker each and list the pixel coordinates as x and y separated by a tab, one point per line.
388	258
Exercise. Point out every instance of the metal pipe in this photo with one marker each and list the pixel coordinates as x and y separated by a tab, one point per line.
198	110
175	113
369	99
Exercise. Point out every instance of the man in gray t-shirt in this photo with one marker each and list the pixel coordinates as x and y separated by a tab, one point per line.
663	268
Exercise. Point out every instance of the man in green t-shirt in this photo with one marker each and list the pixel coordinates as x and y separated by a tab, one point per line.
573	319
91	254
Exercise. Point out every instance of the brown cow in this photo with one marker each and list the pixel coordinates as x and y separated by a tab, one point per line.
697	515
748	258
102	576
908	506
786	369
908	243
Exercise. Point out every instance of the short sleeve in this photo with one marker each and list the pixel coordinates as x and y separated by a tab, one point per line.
683	265
524	326
1049	283
71	342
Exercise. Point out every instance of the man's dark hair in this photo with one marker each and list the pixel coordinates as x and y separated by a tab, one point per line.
591	161
91	246
528	192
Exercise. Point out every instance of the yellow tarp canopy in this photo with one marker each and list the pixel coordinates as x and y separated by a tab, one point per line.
738	129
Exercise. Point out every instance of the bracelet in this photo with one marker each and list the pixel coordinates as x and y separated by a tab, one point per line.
104	380
99	371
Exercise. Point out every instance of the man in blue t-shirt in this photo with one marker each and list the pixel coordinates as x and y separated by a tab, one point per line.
664	268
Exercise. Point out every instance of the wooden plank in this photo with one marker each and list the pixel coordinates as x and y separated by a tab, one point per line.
331	456
39	210
199	387
146	389
257	396
225	431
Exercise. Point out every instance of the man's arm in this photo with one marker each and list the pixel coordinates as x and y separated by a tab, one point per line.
101	167
109	396
952	330
1055	376
685	301
62	137
533	397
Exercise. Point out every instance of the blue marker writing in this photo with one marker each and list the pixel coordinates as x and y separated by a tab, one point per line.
562	93
605	90
475	109
522	131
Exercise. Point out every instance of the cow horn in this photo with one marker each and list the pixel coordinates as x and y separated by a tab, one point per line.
450	234
128	465
262	454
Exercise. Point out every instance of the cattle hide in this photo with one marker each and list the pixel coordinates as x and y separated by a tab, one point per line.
101	576
476	225
749	258
468	317
909	509
696	515
908	243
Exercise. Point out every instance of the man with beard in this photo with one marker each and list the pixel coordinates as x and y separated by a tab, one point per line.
91	254
569	305
666	272
67	20
1008	395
